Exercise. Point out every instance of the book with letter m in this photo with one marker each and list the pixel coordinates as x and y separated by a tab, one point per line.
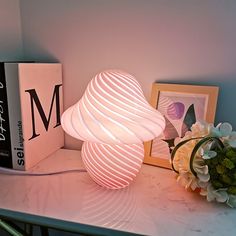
30	111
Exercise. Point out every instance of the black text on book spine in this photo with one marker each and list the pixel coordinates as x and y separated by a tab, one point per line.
5	140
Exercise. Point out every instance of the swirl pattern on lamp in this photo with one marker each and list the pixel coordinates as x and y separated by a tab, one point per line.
114	119
113	166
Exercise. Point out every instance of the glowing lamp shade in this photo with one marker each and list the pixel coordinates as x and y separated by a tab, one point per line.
113	119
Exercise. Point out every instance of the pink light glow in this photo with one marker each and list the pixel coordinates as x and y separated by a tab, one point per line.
114	119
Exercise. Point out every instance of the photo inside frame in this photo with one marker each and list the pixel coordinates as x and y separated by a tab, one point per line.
181	111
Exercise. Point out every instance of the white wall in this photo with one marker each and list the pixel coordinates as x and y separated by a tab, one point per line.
184	41
10	31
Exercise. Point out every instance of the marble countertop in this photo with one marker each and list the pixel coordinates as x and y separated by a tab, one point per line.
153	205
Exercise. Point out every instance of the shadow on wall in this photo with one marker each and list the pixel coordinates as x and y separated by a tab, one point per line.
226	100
42	54
11	56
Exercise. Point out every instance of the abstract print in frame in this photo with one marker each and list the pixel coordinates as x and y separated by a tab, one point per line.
181	106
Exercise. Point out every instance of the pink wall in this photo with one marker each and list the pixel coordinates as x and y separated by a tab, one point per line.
155	40
10	30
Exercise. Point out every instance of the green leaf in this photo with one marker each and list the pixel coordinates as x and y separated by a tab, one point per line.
233	159
213	173
232	190
230	153
220	169
217	184
228	163
226	179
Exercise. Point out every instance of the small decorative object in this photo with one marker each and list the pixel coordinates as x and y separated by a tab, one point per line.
181	106
205	160
114	119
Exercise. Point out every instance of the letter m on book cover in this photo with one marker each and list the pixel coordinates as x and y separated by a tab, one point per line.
41	107
35	103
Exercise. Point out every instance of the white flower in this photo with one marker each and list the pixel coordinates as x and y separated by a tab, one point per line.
219	195
188	180
221	130
202	170
232	139
182	159
206	152
231	200
197	175
209	154
182	156
225	133
225	129
200	129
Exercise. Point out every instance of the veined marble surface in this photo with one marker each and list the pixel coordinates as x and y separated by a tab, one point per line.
153	205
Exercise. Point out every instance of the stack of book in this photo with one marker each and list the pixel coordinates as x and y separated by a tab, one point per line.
30	110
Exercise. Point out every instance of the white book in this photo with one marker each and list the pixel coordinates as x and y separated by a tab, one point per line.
34	104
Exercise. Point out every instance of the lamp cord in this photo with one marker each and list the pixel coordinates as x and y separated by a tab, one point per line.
25	173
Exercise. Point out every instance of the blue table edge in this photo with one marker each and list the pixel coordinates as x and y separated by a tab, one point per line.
54	223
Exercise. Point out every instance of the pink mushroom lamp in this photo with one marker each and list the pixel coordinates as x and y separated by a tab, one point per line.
113	119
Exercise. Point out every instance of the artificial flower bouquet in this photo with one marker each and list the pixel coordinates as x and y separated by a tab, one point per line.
205	160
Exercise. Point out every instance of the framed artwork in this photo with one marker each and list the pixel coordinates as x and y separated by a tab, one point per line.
181	106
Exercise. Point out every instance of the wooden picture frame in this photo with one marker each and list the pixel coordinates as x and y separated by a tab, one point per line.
179	104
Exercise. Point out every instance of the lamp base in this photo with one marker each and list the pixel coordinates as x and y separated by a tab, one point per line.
110	165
